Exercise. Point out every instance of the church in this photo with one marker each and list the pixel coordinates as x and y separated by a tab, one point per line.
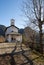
12	34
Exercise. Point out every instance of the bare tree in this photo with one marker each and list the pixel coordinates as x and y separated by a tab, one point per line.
33	10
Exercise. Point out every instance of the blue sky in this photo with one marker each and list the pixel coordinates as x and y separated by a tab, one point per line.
11	9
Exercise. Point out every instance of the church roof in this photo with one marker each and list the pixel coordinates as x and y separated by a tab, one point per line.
11	26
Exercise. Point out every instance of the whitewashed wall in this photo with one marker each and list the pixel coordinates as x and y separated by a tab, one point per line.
9	38
9	30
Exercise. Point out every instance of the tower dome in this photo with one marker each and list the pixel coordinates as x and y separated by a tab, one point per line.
12	22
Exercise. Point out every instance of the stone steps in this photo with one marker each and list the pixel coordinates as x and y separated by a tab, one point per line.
9	47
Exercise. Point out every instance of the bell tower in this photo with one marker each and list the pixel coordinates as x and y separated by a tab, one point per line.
12	22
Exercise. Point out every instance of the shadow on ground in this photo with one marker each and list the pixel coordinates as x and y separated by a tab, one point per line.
12	60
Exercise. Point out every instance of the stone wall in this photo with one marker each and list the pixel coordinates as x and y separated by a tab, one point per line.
7	47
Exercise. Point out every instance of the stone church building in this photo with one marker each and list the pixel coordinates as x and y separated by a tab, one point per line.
12	34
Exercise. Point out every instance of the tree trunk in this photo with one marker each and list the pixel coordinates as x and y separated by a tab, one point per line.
40	33
32	45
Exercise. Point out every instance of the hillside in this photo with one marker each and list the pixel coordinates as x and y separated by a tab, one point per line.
2	30
21	31
2	27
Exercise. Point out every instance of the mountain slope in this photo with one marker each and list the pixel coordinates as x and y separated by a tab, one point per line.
2	30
